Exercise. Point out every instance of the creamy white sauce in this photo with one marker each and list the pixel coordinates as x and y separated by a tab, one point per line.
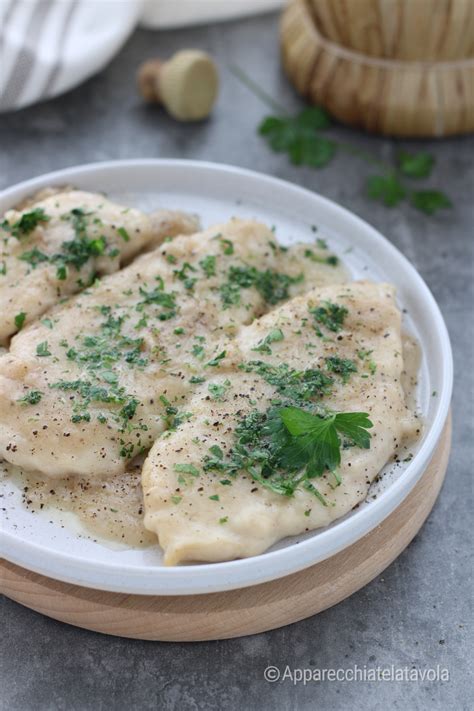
109	510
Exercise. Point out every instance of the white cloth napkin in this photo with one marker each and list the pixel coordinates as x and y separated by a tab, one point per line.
50	46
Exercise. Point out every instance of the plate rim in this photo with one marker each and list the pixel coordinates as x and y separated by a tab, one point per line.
194	579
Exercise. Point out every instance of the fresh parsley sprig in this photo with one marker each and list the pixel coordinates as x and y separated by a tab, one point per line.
300	136
285	449
314	444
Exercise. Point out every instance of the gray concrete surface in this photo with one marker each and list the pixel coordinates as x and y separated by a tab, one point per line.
417	612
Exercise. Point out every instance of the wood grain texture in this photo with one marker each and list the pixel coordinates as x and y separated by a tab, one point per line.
237	612
411	30
392	97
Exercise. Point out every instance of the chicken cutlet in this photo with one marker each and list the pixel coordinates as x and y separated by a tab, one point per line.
289	434
58	246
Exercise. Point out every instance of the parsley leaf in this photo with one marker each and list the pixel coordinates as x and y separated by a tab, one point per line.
386	188
298	137
416	165
428	201
315	443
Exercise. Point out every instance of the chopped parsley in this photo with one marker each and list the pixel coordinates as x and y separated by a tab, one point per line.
341	366
217	359
33	257
217	391
332	260
198	352
159	297
20	319
208	265
183	275
42	349
298	385
371	364
74	253
195	379
61	273
97	355
186	469
330	315
275	335
123	234
271	285
31	398
27	223
227	246
284	449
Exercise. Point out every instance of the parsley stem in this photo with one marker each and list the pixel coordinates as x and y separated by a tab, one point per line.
270	102
367	157
256	89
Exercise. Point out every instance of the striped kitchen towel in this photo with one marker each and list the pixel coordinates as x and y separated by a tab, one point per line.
50	46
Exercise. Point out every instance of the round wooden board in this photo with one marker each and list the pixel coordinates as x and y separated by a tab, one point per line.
237	612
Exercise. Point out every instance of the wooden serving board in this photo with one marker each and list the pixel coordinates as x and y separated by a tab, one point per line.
237	612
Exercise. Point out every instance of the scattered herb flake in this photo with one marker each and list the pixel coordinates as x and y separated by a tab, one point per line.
42	349
275	335
330	315
27	222
123	234
208	265
20	319
32	397
217	359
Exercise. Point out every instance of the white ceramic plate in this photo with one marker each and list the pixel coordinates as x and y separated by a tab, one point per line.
216	192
